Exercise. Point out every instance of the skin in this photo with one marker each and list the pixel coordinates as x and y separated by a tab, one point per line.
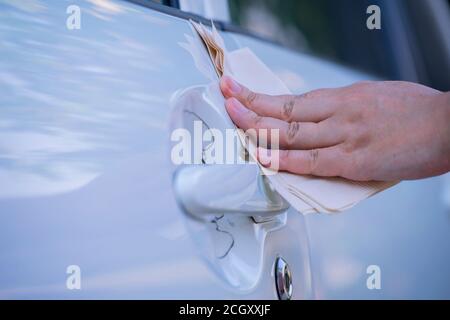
383	131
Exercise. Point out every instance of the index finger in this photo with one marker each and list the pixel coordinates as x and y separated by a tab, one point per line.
314	106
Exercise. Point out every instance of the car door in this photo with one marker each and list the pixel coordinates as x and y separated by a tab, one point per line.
88	207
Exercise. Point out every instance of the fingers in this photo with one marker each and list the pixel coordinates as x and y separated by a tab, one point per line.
246	119
294	135
263	105
326	162
314	106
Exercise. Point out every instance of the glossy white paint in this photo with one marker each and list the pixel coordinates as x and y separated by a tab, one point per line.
86	176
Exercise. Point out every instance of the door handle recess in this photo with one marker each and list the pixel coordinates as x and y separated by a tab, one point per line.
216	189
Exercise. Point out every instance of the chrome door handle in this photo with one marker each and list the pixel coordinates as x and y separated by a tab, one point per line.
204	190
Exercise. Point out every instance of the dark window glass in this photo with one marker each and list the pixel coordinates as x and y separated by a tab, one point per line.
337	29
170	3
330	28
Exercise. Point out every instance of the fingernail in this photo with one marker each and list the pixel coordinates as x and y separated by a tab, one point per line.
233	86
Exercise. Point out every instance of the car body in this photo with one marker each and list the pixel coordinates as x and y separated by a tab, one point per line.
86	178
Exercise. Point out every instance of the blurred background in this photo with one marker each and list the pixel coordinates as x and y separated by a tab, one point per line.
413	44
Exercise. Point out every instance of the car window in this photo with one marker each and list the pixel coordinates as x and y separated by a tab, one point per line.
297	24
334	29
338	30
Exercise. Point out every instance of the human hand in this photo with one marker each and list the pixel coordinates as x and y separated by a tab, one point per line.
384	131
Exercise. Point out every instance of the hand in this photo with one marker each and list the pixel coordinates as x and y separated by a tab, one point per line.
383	131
